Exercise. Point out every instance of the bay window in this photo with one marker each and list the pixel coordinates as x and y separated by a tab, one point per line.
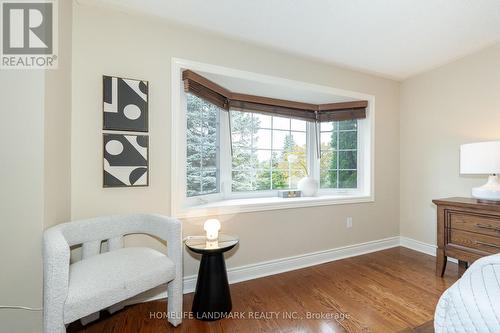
236	152
265	153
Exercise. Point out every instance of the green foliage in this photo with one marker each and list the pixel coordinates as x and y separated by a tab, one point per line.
340	154
243	127
252	170
201	150
248	173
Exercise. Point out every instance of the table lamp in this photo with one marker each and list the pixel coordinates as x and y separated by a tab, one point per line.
212	227
482	158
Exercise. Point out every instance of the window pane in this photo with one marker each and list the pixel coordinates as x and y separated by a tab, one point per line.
193	155
209	157
328	179
244	159
295	176
339	151
210	120
282	140
262	139
262	121
298	125
242	122
242	129
194	107
327	126
348	124
193	181
209	182
329	140
263	180
347	159
348	179
243	181
328	160
279	160
263	158
297	159
281	123
348	140
242	139
264	163
280	179
202	150
299	139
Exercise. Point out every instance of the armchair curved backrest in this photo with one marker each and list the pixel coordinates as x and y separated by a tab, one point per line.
91	233
107	227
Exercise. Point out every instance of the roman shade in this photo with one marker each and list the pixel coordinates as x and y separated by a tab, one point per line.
226	99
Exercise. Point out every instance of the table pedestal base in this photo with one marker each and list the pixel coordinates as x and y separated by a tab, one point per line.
212	298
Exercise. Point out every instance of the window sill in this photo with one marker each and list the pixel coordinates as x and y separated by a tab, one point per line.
234	206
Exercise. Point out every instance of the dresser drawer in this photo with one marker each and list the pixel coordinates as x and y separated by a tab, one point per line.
483	224
467	229
472	240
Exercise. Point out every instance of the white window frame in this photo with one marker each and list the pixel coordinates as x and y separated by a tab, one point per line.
363	132
205	198
228	202
229	194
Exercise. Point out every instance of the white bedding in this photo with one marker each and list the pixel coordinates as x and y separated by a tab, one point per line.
472	304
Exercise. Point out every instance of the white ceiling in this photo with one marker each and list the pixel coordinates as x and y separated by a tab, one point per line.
393	38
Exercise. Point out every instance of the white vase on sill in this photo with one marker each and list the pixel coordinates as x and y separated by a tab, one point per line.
308	186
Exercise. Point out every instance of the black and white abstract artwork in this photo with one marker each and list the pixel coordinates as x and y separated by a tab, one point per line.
125	160
125	104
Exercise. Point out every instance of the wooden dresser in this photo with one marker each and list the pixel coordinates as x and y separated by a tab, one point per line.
467	229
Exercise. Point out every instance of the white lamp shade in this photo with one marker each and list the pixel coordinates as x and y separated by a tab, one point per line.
480	158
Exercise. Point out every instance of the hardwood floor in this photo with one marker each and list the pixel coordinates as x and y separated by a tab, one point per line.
388	291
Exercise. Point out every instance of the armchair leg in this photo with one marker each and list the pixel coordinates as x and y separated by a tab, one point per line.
90	318
174	301
117	307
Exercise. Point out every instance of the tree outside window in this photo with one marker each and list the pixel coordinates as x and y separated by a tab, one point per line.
269	152
338	163
202	138
261	147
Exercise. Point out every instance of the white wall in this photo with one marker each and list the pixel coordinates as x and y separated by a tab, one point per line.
21	197
441	109
57	130
35	176
114	43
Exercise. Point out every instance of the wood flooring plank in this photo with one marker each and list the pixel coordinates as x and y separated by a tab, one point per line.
394	290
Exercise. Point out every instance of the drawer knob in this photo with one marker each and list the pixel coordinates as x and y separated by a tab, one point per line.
488	244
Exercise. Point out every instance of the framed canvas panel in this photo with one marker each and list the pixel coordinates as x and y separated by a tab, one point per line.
125	160
125	104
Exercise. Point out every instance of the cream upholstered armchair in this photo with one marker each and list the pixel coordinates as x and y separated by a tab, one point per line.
103	280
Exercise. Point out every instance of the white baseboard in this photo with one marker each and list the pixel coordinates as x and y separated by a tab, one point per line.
419	246
271	267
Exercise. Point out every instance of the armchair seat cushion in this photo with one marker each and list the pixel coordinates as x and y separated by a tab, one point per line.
102	280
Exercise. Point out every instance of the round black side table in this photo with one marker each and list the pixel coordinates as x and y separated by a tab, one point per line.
212	298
